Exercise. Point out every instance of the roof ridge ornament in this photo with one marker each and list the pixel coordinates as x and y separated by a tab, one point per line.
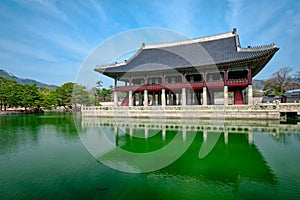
234	31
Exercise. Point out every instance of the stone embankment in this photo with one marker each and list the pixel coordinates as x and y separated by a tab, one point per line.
256	111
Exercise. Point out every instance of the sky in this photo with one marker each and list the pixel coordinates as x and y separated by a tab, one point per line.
49	40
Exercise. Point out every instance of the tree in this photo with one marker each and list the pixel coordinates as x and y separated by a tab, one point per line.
16	96
104	94
99	84
48	98
297	77
81	96
296	80
63	95
279	82
31	97
6	92
257	93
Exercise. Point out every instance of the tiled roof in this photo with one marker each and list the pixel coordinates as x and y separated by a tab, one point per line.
219	49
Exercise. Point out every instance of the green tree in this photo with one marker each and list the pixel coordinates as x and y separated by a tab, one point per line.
31	98
63	95
105	94
16	95
48	98
81	96
6	92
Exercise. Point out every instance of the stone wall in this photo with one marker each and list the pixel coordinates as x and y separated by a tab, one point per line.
257	111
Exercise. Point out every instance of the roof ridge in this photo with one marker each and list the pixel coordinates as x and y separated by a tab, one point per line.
257	48
190	41
103	67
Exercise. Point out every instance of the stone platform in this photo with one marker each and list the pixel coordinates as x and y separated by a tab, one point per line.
256	111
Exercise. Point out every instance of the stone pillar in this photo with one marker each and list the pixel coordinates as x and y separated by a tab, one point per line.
184	133
117	135
212	97
204	96
163	97
174	99
198	98
115	98
131	132
195	98
140	99
170	98
130	98
204	135
188	97
153	99
159	98
250	136
183	96
134	99
225	95
163	133
145	98
146	132
250	95
116	130
226	136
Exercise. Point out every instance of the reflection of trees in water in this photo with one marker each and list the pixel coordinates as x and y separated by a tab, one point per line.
21	131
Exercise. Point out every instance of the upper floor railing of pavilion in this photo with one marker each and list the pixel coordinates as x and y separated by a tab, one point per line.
196	85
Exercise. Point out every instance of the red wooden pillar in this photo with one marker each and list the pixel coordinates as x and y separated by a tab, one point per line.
145	80
182	79
250	76
115	84
130	81
204	74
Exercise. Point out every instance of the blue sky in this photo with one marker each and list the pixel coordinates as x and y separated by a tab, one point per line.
49	40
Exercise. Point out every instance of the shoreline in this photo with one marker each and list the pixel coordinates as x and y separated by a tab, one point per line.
16	112
23	112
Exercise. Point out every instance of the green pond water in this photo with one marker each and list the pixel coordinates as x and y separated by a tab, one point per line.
49	157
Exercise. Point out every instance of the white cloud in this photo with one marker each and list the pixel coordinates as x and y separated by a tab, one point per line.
17	48
46	8
233	13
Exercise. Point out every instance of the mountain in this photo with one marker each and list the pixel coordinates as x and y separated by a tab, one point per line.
24	81
259	84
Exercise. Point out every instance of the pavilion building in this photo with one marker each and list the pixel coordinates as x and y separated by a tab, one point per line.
189	72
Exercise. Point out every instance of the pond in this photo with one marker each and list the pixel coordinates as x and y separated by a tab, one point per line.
49	156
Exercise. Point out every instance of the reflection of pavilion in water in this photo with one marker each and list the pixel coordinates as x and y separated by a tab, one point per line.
235	126
223	152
